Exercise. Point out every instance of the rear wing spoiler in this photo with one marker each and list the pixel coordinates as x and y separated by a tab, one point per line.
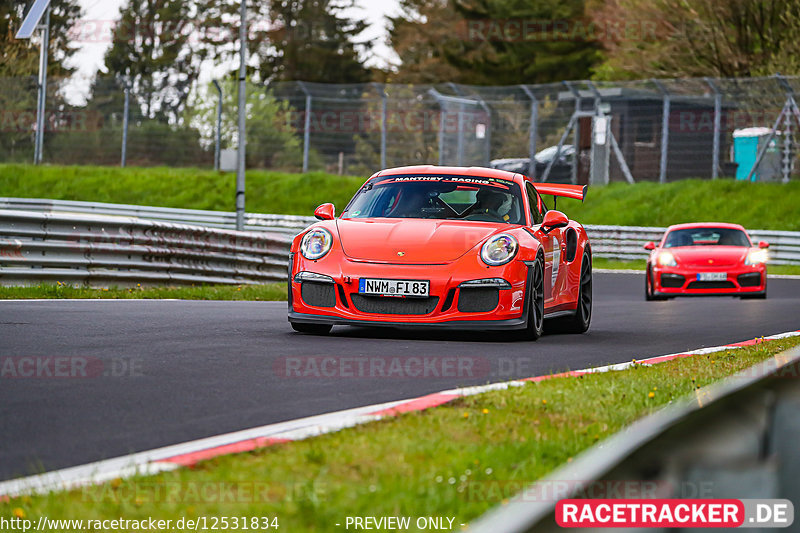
576	192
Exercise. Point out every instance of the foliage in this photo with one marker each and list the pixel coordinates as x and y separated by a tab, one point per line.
677	38
310	40
271	142
492	42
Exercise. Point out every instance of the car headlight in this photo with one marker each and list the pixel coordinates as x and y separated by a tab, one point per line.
666	259
756	257
316	243
499	250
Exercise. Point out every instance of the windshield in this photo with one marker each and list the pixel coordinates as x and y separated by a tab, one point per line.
706	237
439	197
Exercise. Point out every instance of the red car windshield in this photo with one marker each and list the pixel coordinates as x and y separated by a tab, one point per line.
439	197
706	237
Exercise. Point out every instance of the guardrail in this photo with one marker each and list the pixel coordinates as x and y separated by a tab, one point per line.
736	439
106	250
290	224
123	255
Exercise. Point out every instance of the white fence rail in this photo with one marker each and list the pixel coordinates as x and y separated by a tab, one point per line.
107	244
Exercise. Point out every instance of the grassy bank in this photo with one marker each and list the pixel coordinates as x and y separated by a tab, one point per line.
456	461
266	292
755	205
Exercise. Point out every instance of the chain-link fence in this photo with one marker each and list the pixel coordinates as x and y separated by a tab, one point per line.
650	130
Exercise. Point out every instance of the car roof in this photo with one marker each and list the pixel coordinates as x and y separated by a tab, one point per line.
699	225
480	172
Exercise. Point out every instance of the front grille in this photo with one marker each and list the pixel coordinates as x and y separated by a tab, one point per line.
318	294
751	279
711	285
388	305
478	300
672	281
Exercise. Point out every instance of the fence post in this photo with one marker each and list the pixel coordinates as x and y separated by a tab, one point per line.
384	98
242	110
532	131
306	126
717	128
788	161
576	133
125	120
41	104
662	168
218	132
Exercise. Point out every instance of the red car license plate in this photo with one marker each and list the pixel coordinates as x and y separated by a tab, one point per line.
712	276
394	287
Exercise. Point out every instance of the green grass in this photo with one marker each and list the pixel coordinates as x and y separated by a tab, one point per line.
601	262
267	192
266	292
457	460
754	205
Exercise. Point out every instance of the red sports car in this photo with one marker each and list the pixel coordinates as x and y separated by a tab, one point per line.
466	248
708	259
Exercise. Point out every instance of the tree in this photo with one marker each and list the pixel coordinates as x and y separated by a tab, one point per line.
311	41
270	140
20	57
493	42
723	38
19	67
152	52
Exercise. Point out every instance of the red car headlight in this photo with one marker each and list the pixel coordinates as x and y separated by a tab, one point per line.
499	249
316	243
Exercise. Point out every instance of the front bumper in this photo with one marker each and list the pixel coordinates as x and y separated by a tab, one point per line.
683	281
338	302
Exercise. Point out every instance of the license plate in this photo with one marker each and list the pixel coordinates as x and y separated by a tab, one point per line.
712	276
394	287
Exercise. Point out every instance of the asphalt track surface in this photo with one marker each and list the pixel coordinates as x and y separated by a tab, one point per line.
154	373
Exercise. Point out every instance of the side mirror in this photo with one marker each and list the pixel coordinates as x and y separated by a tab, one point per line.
553	220
650	246
325	212
763	244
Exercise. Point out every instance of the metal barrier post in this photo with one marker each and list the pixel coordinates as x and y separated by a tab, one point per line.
384	98
576	131
717	127
218	132
240	176
532	131
125	120
41	104
306	127
662	168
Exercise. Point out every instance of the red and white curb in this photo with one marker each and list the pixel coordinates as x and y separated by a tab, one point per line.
188	453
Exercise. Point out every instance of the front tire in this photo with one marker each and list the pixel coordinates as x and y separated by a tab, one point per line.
535	301
649	291
311	329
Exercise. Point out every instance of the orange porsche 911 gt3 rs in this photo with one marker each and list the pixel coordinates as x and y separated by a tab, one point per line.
465	248
706	259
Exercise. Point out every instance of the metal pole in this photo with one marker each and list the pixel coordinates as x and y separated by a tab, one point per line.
460	140
41	104
218	131
125	119
532	131
665	110
442	115
306	126
576	133
717	128
240	167
384	98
